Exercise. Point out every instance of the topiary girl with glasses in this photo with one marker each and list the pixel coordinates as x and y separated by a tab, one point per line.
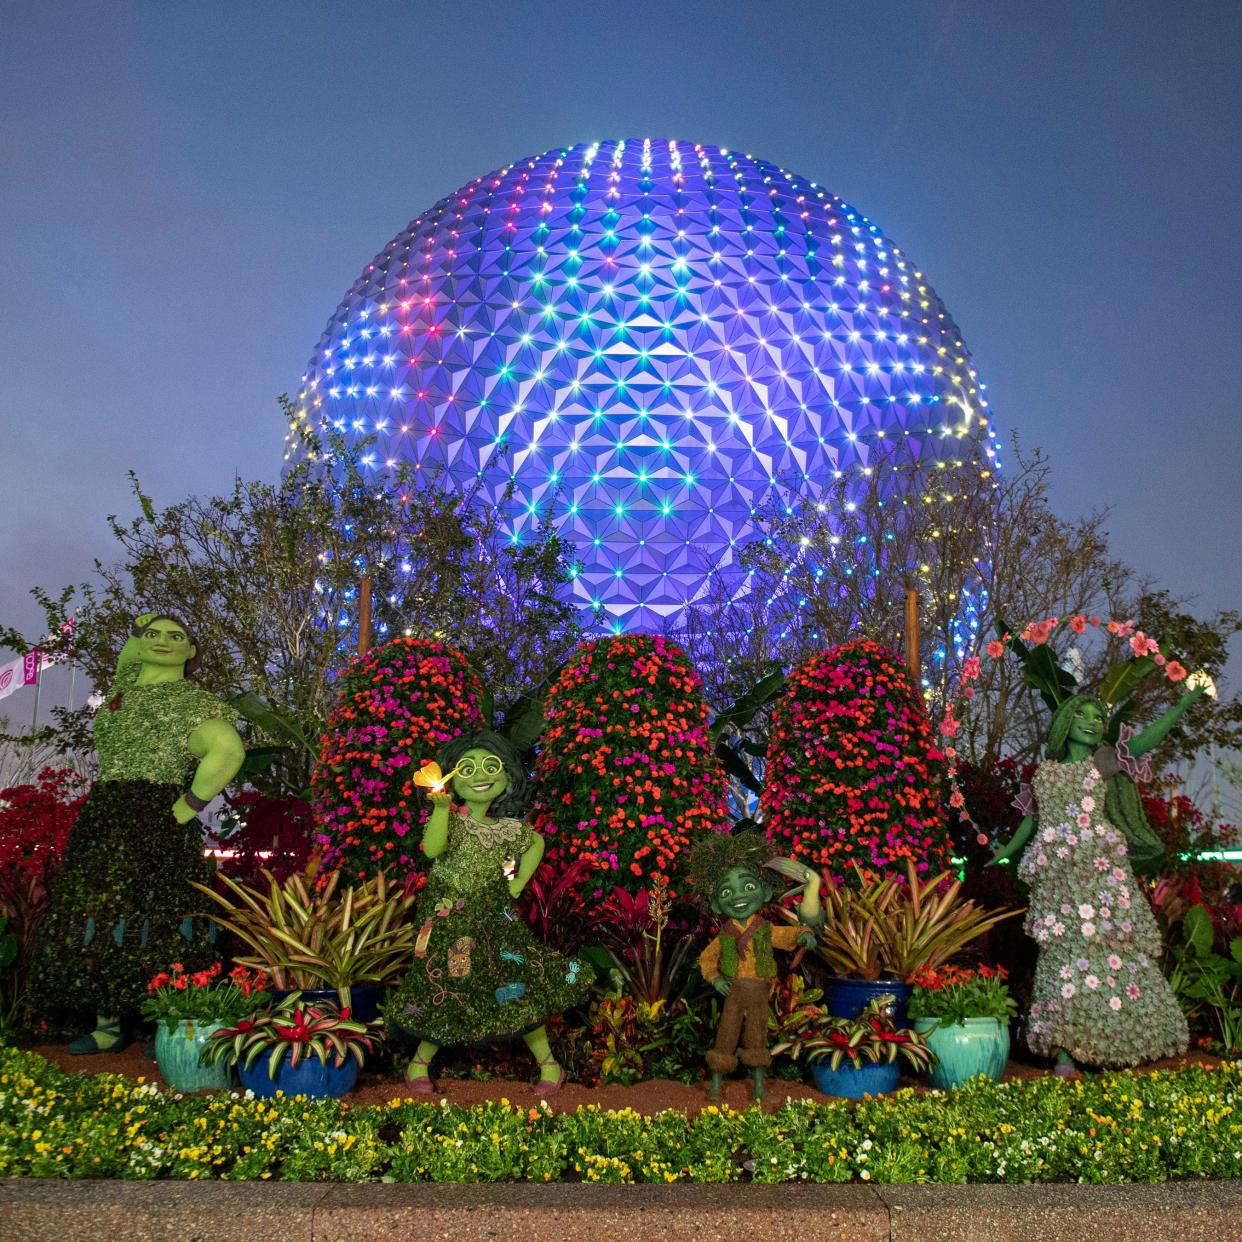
479	975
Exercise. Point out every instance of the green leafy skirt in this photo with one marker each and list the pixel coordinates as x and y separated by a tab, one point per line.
121	907
479	974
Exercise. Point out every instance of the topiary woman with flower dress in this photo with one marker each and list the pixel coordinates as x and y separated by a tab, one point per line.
1099	995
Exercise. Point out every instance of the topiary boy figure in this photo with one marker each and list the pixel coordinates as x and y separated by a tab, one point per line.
732	876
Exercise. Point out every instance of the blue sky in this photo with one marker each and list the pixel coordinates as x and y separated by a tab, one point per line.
186	193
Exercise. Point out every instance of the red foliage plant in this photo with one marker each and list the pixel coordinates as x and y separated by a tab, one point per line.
398	705
854	774
627	777
260	832
35	820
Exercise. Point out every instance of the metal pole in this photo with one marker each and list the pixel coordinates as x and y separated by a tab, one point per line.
364	616
913	661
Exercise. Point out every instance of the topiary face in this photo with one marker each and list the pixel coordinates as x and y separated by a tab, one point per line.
741	892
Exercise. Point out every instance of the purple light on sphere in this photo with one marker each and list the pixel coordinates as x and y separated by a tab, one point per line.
648	337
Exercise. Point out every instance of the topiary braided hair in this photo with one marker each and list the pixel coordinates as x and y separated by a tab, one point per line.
513	802
717	853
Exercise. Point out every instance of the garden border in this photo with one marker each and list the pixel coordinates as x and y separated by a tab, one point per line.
33	1210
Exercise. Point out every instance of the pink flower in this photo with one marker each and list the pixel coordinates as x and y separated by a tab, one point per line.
996	649
1086	911
1088	929
1125	629
949	726
1174	671
1078	624
1039	632
970	670
1092	981
1068	990
1114	1003
1133	991
1114	962
1088	803
981	839
1101	864
1084	821
956	799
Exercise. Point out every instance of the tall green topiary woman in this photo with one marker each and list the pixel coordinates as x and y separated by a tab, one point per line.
120	905
626	776
854	774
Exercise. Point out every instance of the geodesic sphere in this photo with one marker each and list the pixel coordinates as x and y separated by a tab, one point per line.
649	339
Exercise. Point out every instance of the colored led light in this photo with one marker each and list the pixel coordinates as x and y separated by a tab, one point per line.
648	319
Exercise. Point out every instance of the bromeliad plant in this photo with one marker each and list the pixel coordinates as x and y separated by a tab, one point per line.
204	995
893	927
955	993
868	1039
312	935
301	1030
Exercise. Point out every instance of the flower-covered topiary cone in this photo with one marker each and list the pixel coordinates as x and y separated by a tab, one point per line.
854	775
398	705
627	776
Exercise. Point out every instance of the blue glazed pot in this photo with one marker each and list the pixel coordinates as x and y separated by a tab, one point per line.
847	998
177	1052
309	1077
854	1081
365	998
964	1051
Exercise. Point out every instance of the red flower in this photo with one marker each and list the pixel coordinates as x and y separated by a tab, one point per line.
201	979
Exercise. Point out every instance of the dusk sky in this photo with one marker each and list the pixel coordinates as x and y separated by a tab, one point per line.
187	192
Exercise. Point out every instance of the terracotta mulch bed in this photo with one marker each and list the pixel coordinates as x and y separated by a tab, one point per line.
644	1097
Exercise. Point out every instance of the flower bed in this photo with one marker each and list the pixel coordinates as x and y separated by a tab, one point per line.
1120	1127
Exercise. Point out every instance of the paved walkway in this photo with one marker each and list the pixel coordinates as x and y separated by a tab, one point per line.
101	1211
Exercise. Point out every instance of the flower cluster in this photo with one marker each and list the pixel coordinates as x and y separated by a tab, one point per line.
955	993
35	820
1110	1128
398	705
853	770
627	776
175	995
1034	634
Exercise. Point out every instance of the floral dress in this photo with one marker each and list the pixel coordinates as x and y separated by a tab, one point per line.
1099	993
478	973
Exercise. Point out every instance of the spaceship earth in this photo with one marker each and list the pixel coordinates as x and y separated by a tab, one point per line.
648	340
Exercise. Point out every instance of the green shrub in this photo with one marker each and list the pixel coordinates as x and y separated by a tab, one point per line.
1108	1128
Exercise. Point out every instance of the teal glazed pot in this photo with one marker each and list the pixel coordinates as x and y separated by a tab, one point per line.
852	1082
176	1053
964	1051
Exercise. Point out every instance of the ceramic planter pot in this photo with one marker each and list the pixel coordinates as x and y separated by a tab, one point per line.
847	998
365	998
310	1076
854	1081
177	1052
965	1050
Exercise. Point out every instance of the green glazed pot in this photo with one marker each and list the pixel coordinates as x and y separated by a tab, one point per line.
980	1046
177	1054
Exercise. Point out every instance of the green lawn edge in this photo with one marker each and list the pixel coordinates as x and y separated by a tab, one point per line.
1107	1128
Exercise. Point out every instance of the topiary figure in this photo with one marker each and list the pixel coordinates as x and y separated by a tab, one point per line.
854	775
626	776
398	706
